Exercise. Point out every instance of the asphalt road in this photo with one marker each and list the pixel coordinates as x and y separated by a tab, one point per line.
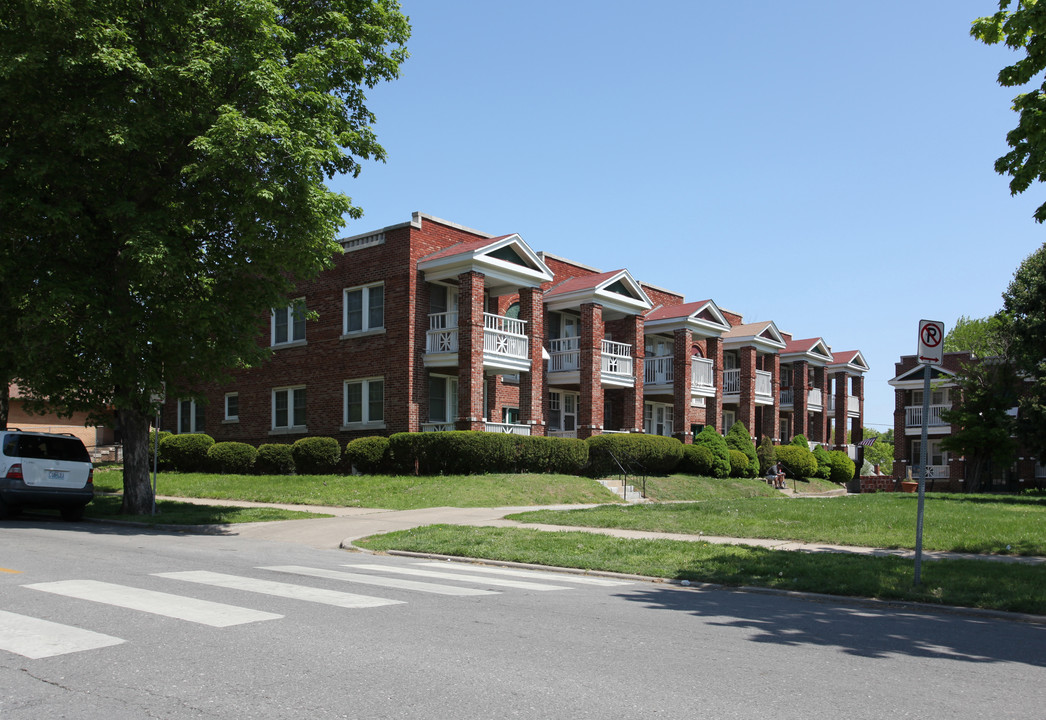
105	622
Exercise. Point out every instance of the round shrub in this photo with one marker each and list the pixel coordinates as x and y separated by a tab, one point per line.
797	462
737	438
152	447
232	458
712	440
740	465
186	453
316	455
612	453
274	459
800	441
842	466
824	463
698	460
368	454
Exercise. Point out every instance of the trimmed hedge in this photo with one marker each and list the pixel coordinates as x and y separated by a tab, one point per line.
274	459
466	452
635	453
567	456
800	441
698	460
740	465
369	455
232	458
737	438
824	462
842	466
712	440
316	455
152	446
186	453
797	462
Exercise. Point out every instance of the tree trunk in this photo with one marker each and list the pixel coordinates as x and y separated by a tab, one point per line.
137	490
5	404
974	469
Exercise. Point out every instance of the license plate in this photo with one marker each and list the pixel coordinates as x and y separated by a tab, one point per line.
55	475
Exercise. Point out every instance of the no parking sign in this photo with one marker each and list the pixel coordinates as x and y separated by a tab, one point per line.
931	342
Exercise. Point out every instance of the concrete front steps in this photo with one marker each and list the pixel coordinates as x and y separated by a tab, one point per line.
623	490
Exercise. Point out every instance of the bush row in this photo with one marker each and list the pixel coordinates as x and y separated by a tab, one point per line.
197	452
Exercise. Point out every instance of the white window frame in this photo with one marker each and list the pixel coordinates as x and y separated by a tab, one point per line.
366	421
650	413
365	310
732	415
450	402
292	392
232	417
194	413
563	404
292	312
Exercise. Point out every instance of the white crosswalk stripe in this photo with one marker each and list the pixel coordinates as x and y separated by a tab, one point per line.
500	582
536	574
286	590
157	603
397	583
35	639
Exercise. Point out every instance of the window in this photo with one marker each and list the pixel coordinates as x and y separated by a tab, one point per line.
443	399
288	408
786	428
288	324
232	407
562	407
365	402
729	418
364	309
190	417
935	454
786	376
657	419
510	415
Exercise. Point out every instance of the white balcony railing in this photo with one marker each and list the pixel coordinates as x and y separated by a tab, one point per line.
935	472
562	433
702	374
763	384
564	354
508	428
787	396
505	336
913	416
853	404
814	398
617	358
658	370
442	336
732	381
437	427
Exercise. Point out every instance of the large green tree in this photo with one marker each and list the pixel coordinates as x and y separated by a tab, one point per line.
163	171
984	337
1024	305
1022	28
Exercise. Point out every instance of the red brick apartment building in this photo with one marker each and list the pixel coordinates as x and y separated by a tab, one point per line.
946	471
430	326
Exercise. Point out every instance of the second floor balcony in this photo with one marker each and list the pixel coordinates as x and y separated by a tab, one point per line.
913	418
660	371
505	343
763	385
616	361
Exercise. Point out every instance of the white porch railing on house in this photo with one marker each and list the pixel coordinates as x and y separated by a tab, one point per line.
787	396
853	404
1040	470
442	336
732	381
935	472
702	374
562	433
437	427
763	384
913	416
508	428
658	370
564	354
814	398
505	336
617	358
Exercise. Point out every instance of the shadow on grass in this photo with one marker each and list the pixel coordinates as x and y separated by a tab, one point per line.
880	634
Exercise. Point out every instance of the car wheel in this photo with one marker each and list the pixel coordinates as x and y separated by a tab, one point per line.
73	513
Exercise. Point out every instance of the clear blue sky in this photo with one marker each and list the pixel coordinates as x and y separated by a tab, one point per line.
823	164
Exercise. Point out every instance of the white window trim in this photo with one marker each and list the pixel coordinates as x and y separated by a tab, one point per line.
365	320
285	429
192	418
231	418
366	422
450	402
289	310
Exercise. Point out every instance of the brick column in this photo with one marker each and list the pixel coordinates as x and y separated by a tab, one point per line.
470	351
900	447
682	360
772	413
714	406
800	396
590	412
746	408
531	384
632	419
857	425
818	427
840	410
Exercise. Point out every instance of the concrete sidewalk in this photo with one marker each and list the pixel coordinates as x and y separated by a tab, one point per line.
350	524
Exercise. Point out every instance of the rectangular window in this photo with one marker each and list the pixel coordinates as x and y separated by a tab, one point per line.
232	406
510	415
364	309
443	399
786	376
288	323
190	417
288	408
365	401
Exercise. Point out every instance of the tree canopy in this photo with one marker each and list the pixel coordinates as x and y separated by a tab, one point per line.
984	337
162	183
1024	304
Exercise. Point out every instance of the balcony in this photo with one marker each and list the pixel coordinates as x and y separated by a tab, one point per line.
616	363
564	354
764	387
732	381
787	396
659	370
913	417
853	405
508	428
505	344
814	399
702	377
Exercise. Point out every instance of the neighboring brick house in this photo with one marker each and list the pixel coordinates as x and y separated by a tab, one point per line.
429	326
946	470
97	438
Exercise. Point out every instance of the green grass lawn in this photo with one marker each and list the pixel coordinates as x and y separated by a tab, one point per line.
967	583
171	512
401	492
959	523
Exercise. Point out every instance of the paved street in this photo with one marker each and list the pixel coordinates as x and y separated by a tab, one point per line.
99	621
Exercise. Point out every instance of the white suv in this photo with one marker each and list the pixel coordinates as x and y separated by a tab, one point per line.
44	470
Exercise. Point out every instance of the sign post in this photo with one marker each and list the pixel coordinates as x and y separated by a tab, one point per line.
931	352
